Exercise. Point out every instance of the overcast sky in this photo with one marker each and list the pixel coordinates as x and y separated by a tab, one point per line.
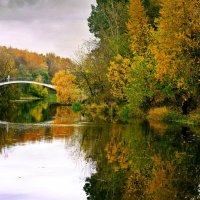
58	26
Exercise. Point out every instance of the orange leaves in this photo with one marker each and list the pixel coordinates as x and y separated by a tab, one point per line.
33	61
67	91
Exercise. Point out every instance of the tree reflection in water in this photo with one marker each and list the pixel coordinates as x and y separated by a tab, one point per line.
37	112
135	164
26	111
142	160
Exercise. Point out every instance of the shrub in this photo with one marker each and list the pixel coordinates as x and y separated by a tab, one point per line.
158	113
124	114
98	111
76	107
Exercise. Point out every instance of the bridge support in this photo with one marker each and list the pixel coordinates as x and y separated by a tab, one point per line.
7	128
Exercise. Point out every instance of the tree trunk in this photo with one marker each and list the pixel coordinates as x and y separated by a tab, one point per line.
185	107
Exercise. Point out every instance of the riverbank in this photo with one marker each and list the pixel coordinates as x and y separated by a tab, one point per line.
115	113
168	115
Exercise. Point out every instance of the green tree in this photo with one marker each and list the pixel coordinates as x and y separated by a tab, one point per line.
43	73
38	90
141	89
108	23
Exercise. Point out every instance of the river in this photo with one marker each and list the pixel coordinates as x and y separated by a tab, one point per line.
49	152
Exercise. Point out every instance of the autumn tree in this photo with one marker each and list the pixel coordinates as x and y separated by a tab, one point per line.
138	28
56	63
7	63
107	22
67	91
29	61
132	78
177	48
7	67
119	75
140	91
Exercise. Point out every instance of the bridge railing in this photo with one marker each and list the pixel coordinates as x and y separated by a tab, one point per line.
21	79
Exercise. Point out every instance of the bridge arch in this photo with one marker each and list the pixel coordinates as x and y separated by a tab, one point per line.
29	82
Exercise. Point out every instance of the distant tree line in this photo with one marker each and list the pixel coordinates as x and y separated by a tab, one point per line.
17	63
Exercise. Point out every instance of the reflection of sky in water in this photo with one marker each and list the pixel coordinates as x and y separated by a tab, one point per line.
43	171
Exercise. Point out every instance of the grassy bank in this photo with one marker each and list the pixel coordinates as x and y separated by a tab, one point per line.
49	98
52	97
168	115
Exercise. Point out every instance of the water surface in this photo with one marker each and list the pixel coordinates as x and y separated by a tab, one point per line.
50	152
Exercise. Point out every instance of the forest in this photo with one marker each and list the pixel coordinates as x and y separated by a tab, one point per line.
144	60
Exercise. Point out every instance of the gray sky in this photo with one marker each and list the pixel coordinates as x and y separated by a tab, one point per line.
58	26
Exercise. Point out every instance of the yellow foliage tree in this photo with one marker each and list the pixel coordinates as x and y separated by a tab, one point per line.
67	91
142	86
119	76
177	44
138	28
7	63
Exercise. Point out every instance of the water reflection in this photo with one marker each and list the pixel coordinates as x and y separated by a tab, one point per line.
14	132
42	162
142	160
27	112
135	164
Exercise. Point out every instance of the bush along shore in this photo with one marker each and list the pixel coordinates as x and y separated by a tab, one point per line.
169	115
114	113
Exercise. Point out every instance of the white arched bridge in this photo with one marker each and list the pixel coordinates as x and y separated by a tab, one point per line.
9	81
